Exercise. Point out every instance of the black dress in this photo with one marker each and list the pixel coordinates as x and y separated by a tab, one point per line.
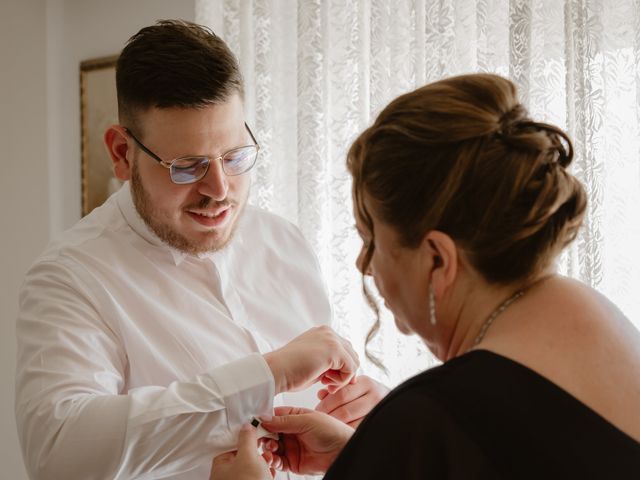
482	416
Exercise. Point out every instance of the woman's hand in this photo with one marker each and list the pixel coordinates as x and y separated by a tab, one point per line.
353	402
243	464
309	440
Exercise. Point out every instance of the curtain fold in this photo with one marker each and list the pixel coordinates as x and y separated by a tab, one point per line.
318	71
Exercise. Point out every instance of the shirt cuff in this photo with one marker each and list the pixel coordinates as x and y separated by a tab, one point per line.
248	386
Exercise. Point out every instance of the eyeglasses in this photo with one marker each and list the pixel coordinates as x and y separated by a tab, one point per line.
190	169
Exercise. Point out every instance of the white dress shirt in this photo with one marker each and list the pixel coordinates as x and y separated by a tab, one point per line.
136	360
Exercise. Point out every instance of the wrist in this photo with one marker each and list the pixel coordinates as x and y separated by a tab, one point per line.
271	359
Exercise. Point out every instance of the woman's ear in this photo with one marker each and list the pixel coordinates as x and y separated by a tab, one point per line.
116	141
444	260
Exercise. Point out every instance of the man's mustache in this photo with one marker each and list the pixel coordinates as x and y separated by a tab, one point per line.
208	202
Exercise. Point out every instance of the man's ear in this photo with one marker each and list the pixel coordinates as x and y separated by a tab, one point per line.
116	141
444	260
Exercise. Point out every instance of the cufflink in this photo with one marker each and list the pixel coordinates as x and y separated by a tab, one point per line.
262	432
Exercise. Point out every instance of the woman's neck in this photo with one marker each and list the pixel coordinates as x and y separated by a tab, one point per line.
473	309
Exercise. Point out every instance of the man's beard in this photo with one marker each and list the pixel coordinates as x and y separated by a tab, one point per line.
152	218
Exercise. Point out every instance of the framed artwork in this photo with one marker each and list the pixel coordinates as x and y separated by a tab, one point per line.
98	110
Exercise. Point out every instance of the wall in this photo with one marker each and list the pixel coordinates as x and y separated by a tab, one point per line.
41	45
88	29
23	186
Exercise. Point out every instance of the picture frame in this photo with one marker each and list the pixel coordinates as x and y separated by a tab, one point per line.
98	110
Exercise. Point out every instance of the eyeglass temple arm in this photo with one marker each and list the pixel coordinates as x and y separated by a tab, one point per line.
252	137
162	162
145	149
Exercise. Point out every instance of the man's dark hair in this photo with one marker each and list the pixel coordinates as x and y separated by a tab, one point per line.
174	63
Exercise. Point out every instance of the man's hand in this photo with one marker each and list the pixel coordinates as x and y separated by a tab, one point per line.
353	402
244	464
319	354
309	441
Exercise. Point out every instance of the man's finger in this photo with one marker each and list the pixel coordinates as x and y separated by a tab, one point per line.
346	362
337	382
352	352
333	376
322	394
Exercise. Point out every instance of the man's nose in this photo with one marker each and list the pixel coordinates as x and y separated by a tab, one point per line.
215	183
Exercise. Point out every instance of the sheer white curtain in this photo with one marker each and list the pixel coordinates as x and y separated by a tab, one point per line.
318	71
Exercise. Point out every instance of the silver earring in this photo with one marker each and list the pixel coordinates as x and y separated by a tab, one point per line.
432	307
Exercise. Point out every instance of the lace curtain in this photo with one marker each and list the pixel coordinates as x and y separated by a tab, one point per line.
318	71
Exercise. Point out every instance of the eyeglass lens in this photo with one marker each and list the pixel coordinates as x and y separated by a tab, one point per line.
234	162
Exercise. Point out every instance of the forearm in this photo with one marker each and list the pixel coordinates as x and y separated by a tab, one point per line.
76	412
151	429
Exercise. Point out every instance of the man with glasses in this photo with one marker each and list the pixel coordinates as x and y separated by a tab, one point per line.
174	313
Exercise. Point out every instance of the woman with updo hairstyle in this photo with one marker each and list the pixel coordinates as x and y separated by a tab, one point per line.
464	204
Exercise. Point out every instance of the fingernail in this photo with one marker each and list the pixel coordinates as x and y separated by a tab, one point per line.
265	418
246	426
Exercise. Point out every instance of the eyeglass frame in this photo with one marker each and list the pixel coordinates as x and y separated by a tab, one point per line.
169	163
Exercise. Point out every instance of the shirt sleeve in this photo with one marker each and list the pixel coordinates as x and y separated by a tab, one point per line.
76	421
